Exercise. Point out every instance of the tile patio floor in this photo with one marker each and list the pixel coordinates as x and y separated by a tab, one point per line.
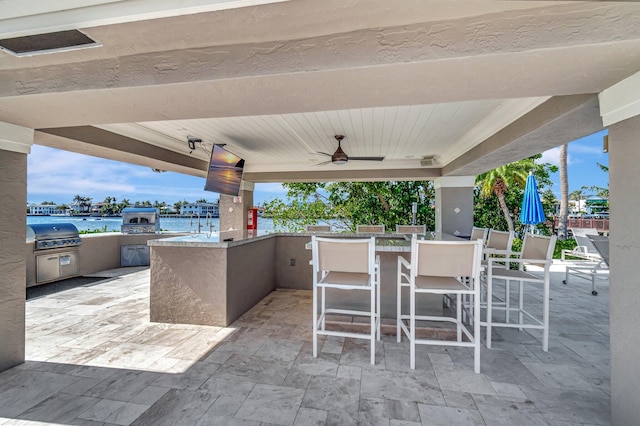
94	359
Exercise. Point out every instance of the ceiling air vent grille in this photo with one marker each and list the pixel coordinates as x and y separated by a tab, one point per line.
47	43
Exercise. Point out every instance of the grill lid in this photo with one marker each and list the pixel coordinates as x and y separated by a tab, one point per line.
53	235
50	231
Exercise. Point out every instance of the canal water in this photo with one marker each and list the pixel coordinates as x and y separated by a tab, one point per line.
178	224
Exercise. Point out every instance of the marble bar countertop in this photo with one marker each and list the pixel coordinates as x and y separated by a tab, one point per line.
212	241
395	243
384	242
205	240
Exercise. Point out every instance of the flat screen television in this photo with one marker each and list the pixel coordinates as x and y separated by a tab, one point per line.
225	172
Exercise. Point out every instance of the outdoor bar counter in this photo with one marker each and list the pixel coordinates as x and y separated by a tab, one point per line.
198	280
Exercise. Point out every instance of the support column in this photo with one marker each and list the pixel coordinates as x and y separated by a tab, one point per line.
624	249
15	144
454	205
233	213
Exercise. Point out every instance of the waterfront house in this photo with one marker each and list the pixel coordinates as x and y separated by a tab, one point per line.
42	209
201	209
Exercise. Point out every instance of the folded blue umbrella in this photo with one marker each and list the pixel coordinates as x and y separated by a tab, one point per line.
532	212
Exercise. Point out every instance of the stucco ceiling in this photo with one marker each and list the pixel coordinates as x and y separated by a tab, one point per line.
472	84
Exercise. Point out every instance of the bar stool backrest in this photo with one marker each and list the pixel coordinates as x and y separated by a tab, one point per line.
345	255
370	229
500	240
479	234
538	247
317	228
411	229
445	259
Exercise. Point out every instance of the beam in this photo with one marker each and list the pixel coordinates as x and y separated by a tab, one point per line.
90	140
343	175
560	120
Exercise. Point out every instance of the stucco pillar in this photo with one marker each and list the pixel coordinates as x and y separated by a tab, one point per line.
233	213
454	205
624	281
15	144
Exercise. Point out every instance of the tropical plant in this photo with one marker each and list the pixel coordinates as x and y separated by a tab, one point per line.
598	190
84	203
576	196
497	182
123	204
347	204
485	208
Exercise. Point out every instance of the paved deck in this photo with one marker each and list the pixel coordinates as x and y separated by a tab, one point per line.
94	359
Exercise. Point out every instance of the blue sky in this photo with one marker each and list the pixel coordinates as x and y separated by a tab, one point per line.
57	176
583	157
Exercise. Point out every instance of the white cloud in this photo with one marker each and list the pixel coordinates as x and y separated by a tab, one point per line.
54	175
586	149
50	171
553	156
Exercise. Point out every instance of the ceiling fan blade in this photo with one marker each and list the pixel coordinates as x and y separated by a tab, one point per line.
367	158
322	164
321	153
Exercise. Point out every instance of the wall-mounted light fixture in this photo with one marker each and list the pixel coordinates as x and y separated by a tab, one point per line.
427	161
605	143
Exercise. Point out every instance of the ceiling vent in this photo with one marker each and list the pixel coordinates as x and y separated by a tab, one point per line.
47	43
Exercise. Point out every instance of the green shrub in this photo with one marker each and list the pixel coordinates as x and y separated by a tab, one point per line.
96	231
563	245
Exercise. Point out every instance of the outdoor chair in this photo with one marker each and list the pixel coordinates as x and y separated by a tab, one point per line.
348	265
370	229
595	269
536	251
317	228
447	268
479	234
411	229
498	245
585	249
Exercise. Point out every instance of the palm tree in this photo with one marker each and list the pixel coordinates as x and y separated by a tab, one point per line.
564	194
599	191
497	181
576	196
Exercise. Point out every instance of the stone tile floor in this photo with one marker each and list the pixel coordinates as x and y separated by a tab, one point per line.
93	358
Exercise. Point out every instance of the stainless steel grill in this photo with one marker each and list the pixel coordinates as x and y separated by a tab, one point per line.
140	220
48	236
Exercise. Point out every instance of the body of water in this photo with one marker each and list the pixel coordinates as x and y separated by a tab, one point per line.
180	224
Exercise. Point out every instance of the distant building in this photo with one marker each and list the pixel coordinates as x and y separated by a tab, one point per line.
201	209
42	209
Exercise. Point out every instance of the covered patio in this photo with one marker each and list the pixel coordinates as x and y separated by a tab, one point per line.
93	357
441	90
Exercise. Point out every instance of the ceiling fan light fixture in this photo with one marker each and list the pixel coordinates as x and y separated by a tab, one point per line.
339	157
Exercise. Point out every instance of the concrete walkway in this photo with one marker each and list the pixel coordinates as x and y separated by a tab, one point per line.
94	359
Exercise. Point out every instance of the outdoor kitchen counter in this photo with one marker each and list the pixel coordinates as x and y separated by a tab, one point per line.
197	280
